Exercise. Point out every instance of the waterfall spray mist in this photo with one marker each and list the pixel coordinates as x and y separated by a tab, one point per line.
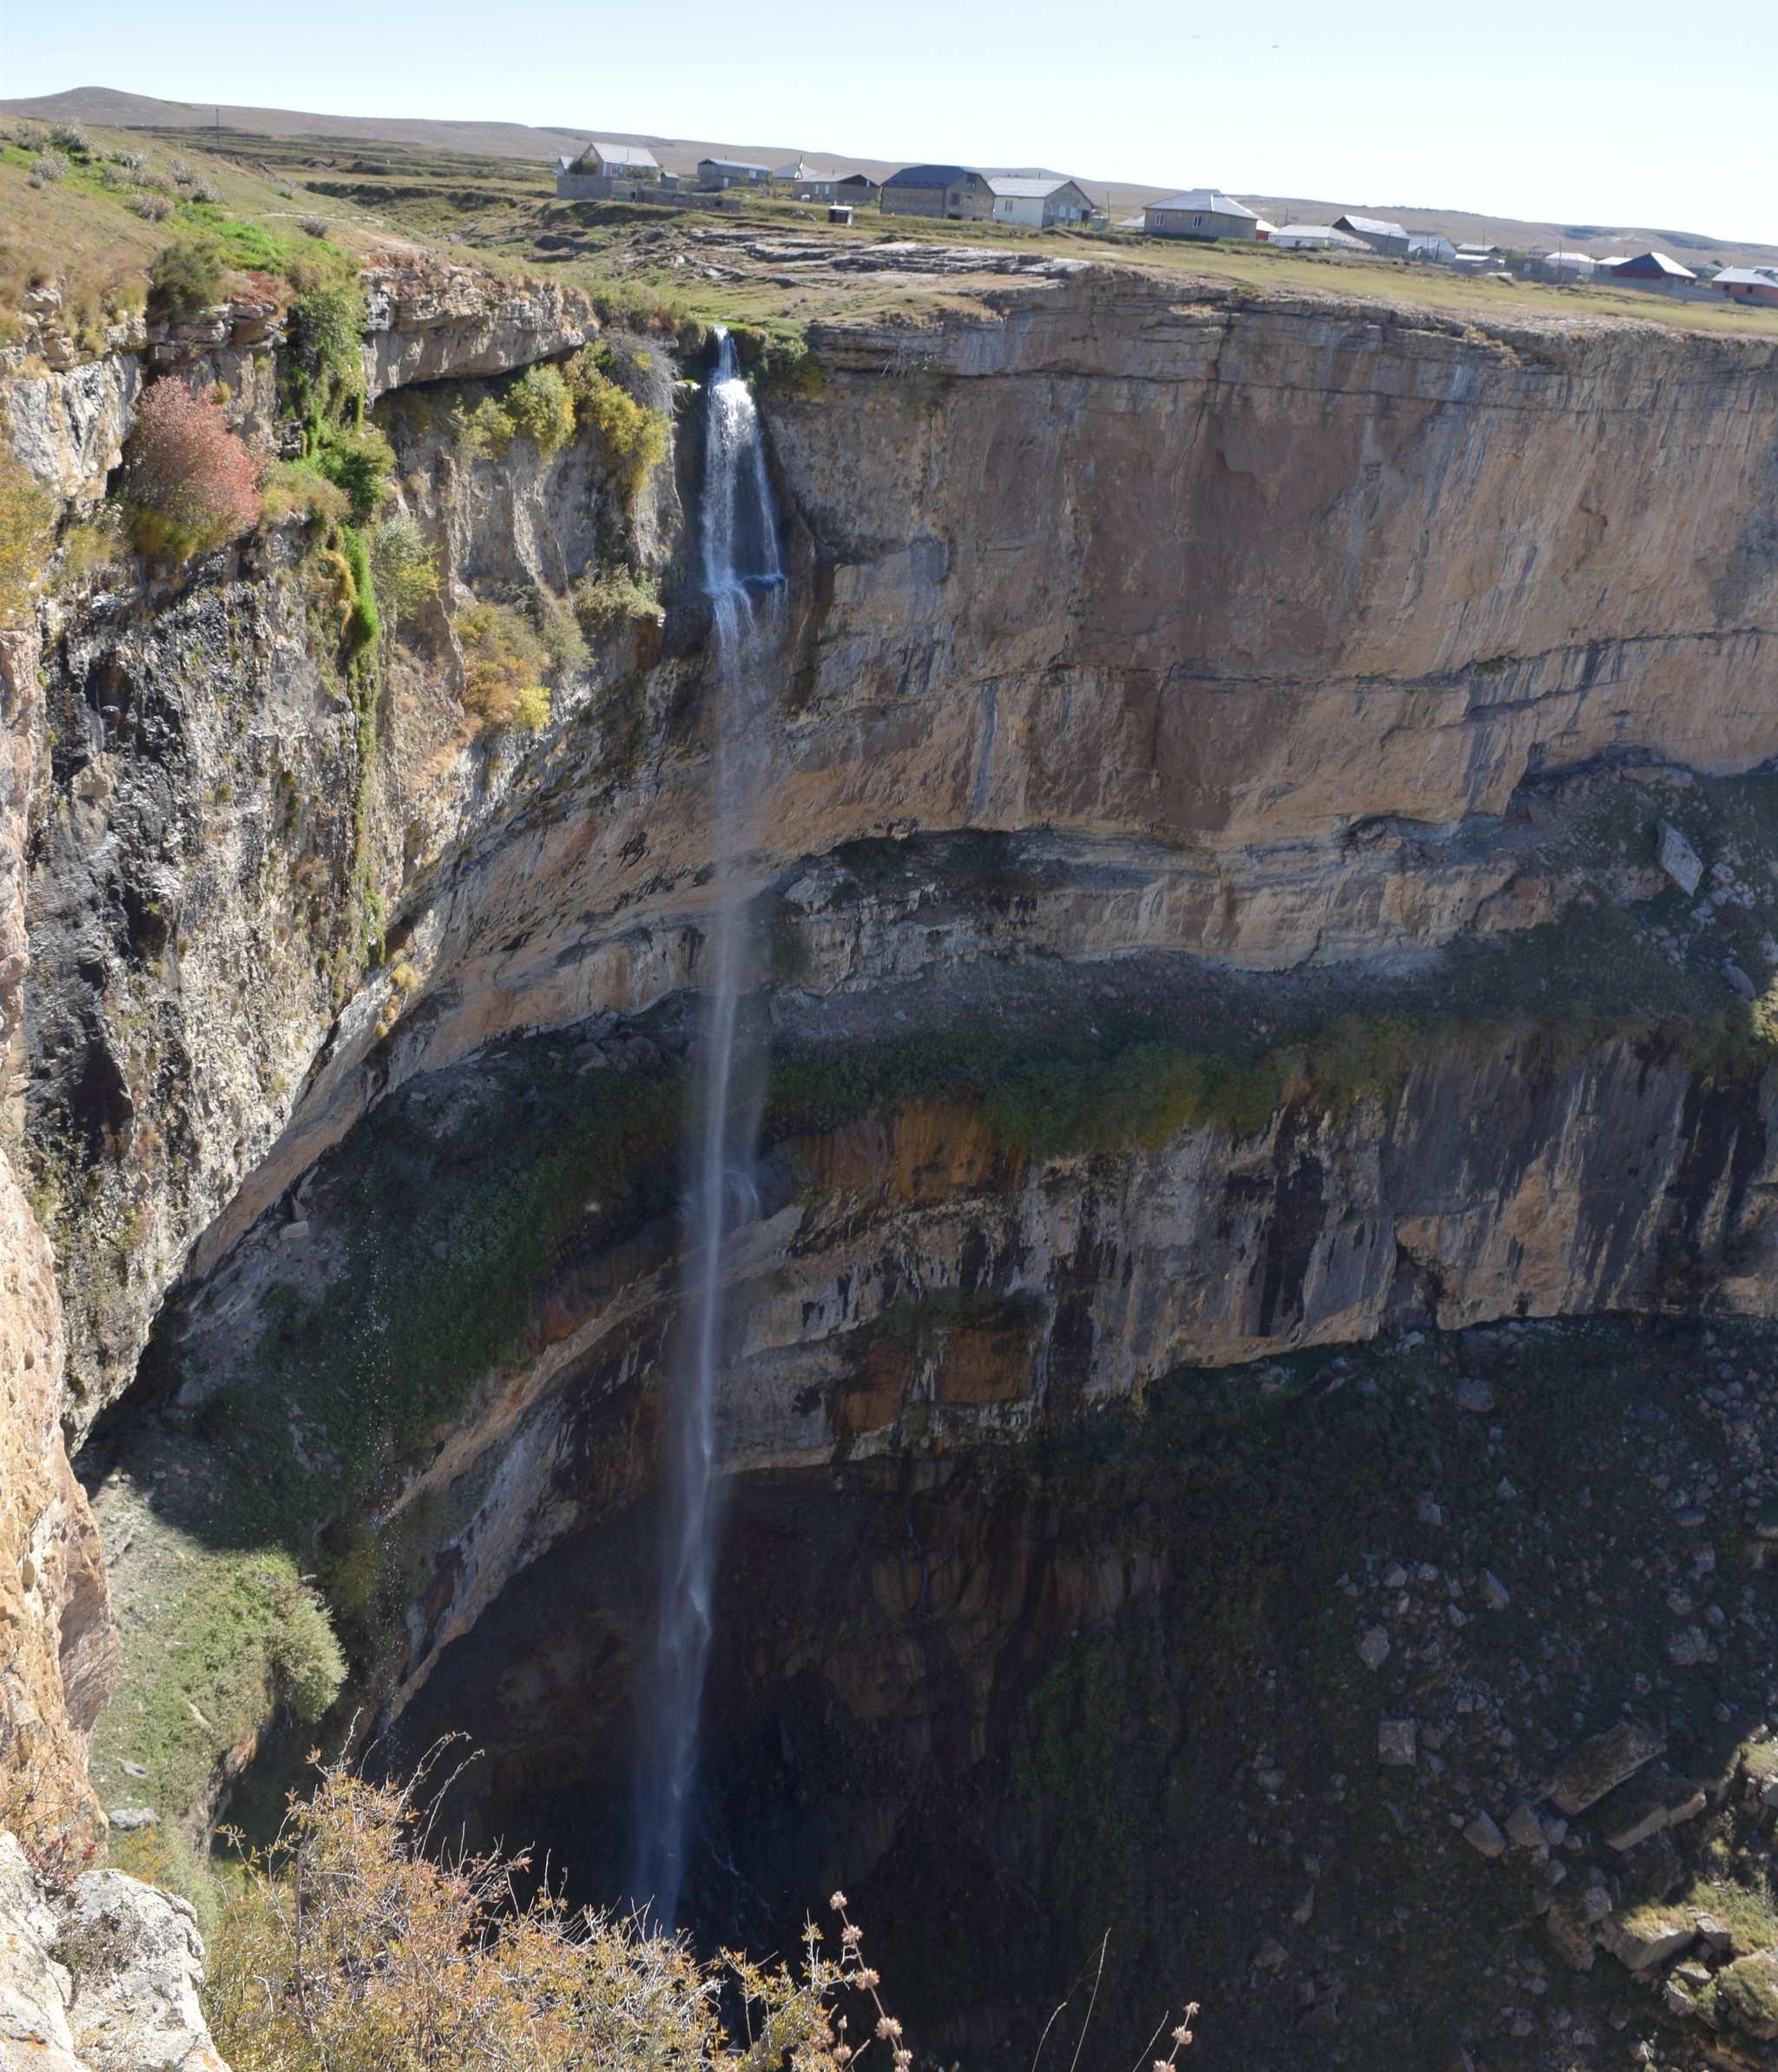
743	580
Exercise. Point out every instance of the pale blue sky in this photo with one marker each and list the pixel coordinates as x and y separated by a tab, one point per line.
1600	111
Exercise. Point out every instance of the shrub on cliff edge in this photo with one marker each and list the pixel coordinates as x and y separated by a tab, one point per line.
189	483
348	1949
186	279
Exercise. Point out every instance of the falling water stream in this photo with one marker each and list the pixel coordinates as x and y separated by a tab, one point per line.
743	579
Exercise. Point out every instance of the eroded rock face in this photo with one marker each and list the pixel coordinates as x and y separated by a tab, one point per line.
433	323
58	1649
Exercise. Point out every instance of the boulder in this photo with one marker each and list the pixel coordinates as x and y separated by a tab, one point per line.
103	1978
1483	1834
1602	1765
1648	1937
1398	1743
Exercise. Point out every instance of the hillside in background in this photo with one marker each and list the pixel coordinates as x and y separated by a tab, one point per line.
230	126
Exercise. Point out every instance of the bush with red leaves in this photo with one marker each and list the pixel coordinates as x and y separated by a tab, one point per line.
189	483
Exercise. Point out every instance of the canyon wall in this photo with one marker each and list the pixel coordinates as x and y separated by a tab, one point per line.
1238	634
59	1649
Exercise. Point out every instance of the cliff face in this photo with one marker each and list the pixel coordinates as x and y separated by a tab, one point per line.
59	1648
1212	601
1216	670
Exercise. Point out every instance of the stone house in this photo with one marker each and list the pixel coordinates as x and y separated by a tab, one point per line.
958	192
1202	213
722	173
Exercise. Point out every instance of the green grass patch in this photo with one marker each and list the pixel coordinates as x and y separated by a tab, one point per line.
213	1639
455	1202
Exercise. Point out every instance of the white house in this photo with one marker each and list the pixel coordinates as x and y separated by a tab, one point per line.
1038	203
807	183
592	177
1316	237
1430	249
1200	212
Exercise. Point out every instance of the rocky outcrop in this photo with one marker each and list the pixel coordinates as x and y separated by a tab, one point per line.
100	1976
57	1647
68	428
428	322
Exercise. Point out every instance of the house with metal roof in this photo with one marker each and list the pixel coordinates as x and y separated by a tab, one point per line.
1038	203
1748	284
1202	213
958	192
1429	249
600	167
1389	239
1314	237
718	173
1647	269
804	182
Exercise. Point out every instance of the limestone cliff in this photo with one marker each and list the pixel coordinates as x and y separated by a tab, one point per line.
1209	858
57	1649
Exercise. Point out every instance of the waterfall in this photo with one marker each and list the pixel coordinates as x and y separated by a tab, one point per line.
743	579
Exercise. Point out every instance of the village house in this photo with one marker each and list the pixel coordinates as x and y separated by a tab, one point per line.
1201	212
602	169
806	183
723	173
957	192
1647	269
856	188
1038	203
1389	239
1430	249
1316	237
1748	284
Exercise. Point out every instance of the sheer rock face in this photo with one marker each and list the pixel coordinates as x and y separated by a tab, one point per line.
57	1644
910	1284
1249	616
430	323
1234	575
100	1977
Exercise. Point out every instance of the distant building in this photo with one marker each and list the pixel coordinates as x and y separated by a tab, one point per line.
1430	249
856	188
957	192
1748	284
601	168
1564	265
1038	203
722	173
1647	269
807	182
1316	237
1200	212
1389	239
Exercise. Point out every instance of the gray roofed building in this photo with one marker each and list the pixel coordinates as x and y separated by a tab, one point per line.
1748	284
958	192
1388	238
590	176
1039	202
1200	212
731	172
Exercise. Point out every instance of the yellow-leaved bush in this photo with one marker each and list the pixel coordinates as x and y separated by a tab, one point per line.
346	1949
